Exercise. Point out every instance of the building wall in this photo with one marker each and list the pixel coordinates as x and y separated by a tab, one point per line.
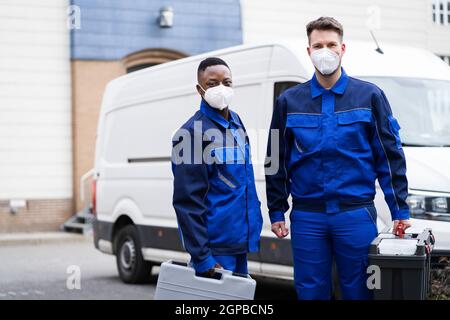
39	215
112	30
406	22
35	112
89	79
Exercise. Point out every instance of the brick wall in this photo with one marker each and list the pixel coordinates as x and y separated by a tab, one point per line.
39	215
89	79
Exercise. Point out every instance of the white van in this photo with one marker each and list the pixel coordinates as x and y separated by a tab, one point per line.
140	112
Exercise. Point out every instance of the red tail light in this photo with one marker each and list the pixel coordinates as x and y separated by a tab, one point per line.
94	196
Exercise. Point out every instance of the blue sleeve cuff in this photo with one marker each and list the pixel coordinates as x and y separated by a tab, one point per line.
276	216
205	265
402	214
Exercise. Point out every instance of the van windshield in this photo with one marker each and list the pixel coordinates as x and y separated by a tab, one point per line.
422	108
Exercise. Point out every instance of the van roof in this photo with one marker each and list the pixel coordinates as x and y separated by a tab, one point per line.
360	60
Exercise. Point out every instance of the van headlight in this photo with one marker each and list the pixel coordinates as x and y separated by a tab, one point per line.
429	207
439	204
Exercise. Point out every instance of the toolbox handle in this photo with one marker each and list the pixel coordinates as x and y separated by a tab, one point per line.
425	242
216	276
424	246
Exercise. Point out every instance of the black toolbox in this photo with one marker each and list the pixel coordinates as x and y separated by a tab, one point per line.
404	265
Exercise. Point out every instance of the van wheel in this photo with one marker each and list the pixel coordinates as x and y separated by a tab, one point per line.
131	265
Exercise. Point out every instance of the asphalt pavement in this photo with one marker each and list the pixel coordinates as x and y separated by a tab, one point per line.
66	266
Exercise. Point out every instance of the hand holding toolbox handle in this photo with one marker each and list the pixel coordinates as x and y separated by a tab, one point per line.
400	226
425	241
211	273
400	231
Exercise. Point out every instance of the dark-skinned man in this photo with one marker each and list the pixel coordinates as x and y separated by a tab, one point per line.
214	197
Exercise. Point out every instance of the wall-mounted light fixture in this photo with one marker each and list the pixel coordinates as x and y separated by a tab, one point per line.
166	17
16	204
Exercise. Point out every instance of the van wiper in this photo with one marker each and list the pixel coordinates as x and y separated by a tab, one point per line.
425	145
414	145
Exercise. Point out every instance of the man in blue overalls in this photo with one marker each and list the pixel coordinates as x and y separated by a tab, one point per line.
215	197
336	136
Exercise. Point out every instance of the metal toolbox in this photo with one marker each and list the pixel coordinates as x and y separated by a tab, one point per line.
178	281
404	264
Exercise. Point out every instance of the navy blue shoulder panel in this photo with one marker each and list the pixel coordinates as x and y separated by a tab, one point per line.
299	99
358	94
198	116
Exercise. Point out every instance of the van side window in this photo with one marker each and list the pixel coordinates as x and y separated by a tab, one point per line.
280	87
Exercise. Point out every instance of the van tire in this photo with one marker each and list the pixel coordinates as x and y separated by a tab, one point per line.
131	265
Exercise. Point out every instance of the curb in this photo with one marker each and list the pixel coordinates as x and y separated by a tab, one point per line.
37	238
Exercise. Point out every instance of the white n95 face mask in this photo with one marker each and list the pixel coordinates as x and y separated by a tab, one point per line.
325	60
219	97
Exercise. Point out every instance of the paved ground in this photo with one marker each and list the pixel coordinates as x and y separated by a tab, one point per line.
39	270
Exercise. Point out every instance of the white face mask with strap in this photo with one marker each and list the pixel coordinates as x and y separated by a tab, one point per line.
325	60
218	97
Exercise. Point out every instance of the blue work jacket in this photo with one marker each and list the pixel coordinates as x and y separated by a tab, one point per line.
332	146
215	197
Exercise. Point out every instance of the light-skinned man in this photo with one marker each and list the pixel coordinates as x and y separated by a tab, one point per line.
337	135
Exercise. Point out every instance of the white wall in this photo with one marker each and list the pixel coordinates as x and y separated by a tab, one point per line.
35	100
401	21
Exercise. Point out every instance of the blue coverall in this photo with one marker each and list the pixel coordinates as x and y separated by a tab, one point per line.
215	200
333	145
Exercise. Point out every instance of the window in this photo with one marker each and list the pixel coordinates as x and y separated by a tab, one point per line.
422	106
149	57
280	87
139	67
441	12
446	59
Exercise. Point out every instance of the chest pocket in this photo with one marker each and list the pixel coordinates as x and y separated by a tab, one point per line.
228	155
353	129
306	130
230	166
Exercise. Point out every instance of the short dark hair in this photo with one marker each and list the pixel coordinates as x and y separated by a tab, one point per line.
325	23
208	62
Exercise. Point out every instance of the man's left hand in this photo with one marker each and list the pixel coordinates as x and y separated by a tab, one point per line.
404	223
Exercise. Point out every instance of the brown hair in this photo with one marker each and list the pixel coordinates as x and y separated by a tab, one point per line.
325	23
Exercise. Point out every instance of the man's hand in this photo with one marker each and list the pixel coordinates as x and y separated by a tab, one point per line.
209	273
403	223
280	230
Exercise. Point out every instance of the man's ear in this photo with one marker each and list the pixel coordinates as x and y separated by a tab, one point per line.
343	48
199	90
308	49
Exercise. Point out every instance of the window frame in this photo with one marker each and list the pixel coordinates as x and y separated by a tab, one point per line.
280	86
441	12
149	57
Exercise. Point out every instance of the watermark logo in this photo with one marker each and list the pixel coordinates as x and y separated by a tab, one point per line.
373	21
74	277
213	146
374	279
74	17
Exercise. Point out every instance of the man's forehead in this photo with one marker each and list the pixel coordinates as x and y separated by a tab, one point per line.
216	71
322	36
